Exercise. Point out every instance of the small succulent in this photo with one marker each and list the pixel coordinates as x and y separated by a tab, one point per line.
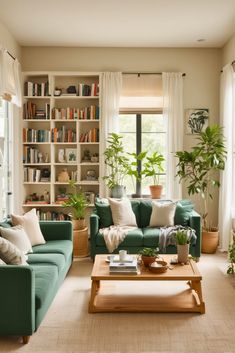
149	252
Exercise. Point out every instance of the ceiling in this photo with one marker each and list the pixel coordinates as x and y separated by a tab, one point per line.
119	23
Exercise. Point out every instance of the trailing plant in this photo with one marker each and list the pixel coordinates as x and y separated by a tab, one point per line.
77	203
149	252
116	160
153	166
198	167
181	237
231	252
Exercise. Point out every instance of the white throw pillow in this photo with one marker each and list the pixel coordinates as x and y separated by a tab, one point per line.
17	236
30	223
10	254
122	212
162	214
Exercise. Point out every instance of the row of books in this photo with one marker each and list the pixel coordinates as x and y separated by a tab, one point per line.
30	111
36	89
129	266
52	216
63	134
88	90
90	113
32	155
33	135
91	136
34	175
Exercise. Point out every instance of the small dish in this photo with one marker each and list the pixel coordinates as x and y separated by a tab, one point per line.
158	266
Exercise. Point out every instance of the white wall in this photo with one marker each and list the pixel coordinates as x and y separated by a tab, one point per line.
228	51
8	41
202	68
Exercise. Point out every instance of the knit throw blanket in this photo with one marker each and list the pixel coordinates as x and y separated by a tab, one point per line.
114	235
167	236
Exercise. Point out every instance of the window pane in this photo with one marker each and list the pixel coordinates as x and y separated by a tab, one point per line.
153	123
127	123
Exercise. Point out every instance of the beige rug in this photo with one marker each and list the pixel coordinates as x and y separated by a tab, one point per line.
69	328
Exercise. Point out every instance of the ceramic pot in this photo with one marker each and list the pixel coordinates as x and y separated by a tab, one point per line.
156	191
148	260
118	191
210	241
63	176
79	224
183	252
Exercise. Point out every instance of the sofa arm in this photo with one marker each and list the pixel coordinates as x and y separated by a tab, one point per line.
57	230
17	300
195	223
94	229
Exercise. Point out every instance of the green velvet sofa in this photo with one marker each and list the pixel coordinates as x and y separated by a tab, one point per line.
28	291
144	236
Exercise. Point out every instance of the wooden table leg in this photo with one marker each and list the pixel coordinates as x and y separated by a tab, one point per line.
94	289
196	285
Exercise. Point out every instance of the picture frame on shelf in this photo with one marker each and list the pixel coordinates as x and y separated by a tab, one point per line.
196	120
61	155
71	155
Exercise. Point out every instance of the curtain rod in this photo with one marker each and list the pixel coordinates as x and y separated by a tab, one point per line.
147	73
11	55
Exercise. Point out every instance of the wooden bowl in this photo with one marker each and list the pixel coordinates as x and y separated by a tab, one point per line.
158	266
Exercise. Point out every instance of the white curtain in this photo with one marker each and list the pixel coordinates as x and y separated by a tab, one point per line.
10	78
173	113
226	192
110	90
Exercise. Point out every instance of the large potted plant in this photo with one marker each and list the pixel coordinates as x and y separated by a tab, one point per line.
152	167
199	168
118	164
77	204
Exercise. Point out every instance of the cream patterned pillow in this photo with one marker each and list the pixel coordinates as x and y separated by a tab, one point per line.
17	236
30	223
162	214
10	254
122	212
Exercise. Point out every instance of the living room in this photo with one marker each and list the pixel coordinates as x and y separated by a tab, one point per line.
127	42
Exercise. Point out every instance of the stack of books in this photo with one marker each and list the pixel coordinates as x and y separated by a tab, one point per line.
129	266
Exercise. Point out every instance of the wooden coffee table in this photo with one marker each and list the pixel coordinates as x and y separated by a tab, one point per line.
187	300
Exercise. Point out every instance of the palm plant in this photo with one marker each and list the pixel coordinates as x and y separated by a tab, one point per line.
76	202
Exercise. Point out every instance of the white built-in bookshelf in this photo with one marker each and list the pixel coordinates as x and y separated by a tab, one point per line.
60	136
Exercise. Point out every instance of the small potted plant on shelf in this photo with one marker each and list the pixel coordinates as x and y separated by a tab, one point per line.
117	162
77	204
182	244
148	255
199	168
152	168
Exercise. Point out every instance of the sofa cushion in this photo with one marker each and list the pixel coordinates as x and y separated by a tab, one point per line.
133	238
151	236
145	212
183	211
17	236
162	214
45	281
122	212
10	254
47	259
64	247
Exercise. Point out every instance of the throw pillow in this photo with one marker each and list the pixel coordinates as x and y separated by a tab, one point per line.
162	214
122	212
183	212
17	236
105	214
10	254
31	226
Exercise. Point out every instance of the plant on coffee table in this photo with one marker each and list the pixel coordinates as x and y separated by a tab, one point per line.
149	255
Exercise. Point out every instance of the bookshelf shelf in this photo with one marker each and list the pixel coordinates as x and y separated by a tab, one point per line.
64	117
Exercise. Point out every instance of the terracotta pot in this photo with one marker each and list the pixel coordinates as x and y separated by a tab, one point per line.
78	224
210	241
183	252
147	260
156	191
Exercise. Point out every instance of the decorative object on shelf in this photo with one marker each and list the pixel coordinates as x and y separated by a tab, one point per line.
45	175
95	158
199	168
90	197
71	155
182	244
40	157
91	175
196	120
38	199
47	196
148	255
71	90
63	176
86	156
77	204
46	159
57	92
61	155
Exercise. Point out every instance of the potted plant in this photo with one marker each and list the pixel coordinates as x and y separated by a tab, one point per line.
199	168
148	255
152	167
117	161
77	204
182	244
133	170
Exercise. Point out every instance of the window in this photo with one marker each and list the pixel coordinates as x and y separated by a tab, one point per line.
143	132
5	159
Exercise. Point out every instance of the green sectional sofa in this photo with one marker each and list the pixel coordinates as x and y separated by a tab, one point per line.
144	236
28	291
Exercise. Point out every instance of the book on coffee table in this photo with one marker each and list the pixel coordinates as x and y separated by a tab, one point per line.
123	267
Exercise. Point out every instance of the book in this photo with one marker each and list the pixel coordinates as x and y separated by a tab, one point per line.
123	266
